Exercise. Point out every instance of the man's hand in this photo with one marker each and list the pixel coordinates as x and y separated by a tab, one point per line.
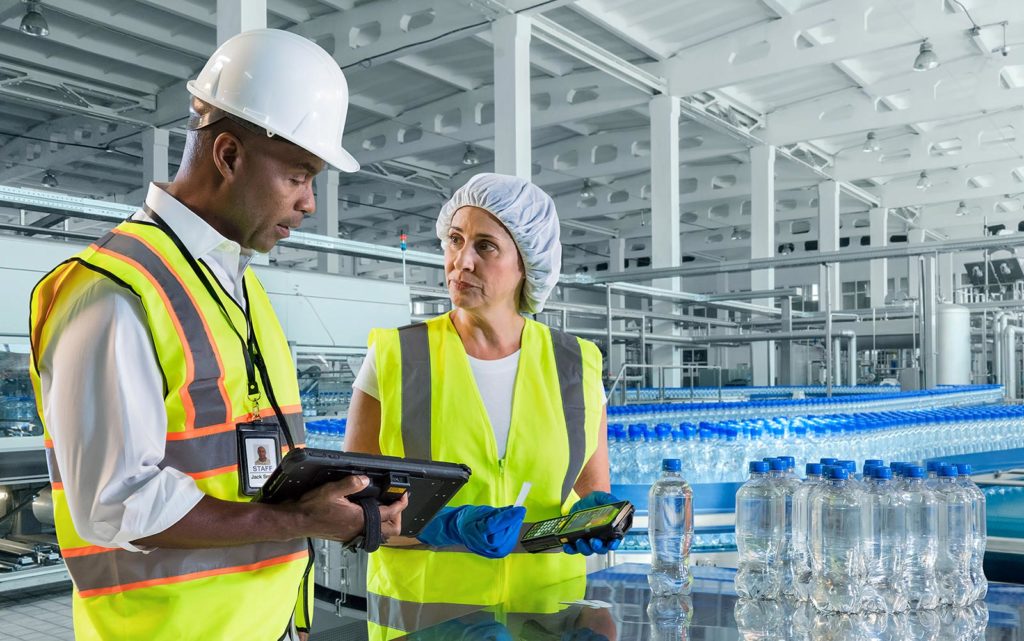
324	513
327	513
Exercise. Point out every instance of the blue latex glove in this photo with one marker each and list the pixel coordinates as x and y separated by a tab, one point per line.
491	532
586	547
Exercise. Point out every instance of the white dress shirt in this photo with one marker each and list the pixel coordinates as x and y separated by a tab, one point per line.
103	396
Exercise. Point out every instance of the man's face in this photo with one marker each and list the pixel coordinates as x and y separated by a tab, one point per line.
261	451
273	189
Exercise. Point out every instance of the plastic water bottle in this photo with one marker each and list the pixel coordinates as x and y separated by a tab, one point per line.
800	567
787	483
670	531
978	531
955	541
760	514
630	469
885	523
920	548
836	556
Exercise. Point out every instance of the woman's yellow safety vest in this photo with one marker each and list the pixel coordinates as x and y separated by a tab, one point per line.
247	592
431	409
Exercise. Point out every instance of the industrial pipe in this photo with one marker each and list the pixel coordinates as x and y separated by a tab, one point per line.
851	351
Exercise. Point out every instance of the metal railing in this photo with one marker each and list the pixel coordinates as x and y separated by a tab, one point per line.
623	379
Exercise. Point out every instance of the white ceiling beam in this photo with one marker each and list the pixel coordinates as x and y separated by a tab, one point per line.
981	140
957	88
975	181
550	65
696	189
191	41
464	117
614	153
612	20
20	47
198	11
843	29
419	64
34	156
97	42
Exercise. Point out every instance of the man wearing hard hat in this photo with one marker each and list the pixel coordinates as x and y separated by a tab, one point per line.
160	369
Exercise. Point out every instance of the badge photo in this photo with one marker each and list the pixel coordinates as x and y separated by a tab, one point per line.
259	451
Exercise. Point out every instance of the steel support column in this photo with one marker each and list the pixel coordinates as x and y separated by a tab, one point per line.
327	217
665	239
879	231
512	136
762	245
928	320
154	156
828	239
236	16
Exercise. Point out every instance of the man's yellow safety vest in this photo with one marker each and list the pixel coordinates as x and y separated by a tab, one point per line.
246	592
431	409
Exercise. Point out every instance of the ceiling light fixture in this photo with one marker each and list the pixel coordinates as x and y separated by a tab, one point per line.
34	23
470	158
49	180
924	182
926	58
586	192
871	143
961	209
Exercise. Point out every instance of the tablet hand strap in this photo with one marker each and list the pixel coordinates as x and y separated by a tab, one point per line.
371	523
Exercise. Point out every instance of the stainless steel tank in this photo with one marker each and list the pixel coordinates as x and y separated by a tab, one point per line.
953	347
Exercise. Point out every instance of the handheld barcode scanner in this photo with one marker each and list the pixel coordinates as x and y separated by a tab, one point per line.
604	522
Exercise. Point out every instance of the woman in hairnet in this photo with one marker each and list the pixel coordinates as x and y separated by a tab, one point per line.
516	401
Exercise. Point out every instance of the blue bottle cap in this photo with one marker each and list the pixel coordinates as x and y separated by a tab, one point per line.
671	465
914	472
759	467
851	466
813	468
837	473
964	469
777	465
789	461
947	471
933	466
882	472
828	461
874	461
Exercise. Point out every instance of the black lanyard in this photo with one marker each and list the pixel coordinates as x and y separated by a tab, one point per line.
250	347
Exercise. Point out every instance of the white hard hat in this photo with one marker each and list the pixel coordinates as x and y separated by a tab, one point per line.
283	83
528	214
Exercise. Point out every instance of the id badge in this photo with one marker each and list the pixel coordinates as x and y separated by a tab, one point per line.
259	452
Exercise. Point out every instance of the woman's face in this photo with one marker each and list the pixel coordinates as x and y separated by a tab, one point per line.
481	262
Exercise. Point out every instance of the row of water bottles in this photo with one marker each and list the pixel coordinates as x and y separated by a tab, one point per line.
326	434
715	451
950	396
316	403
895	538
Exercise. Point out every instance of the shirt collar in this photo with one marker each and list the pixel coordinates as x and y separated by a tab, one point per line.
197	235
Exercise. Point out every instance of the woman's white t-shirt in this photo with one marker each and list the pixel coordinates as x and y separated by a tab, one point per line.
495	379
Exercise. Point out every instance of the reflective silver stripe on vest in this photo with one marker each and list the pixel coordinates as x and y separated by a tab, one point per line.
214	451
415	348
518	549
210	406
409	616
122	569
51	465
569	364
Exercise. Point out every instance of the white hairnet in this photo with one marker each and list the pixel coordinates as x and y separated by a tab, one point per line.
529	215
